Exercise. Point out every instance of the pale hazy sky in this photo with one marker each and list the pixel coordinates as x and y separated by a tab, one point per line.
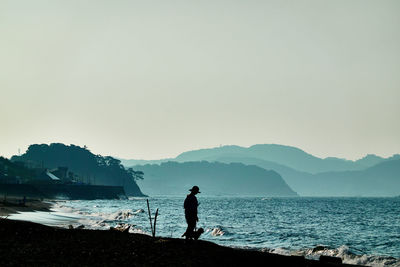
151	79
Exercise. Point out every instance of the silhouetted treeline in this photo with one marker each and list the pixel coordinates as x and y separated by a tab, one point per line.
92	169
9	171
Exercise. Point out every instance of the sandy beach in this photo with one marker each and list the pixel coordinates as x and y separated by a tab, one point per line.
27	243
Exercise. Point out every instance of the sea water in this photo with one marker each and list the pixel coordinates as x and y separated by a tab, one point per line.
359	230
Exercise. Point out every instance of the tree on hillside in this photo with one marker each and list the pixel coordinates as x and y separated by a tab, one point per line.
136	175
95	168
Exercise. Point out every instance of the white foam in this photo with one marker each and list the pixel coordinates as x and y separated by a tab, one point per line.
119	215
138	231
47	218
281	251
217	232
139	211
342	252
99	220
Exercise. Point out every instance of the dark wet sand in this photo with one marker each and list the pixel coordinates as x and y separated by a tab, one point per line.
14	205
30	244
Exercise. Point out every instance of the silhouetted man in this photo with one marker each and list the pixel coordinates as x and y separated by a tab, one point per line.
190	206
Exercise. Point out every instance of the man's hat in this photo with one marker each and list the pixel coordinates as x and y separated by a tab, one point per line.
195	189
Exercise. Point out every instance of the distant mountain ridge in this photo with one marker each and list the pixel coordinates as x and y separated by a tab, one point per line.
382	179
174	178
289	156
367	182
292	157
306	174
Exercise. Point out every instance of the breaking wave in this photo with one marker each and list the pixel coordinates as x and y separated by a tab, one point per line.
275	225
101	220
343	252
217	232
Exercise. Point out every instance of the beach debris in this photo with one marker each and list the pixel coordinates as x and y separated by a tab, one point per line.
153	227
155	221
151	224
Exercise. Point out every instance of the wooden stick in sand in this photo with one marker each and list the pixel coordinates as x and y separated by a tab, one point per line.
155	221
151	224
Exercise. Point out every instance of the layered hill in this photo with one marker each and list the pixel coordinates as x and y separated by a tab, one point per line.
382	179
173	178
288	156
304	173
93	169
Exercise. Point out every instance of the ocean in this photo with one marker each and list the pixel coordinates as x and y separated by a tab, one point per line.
362	231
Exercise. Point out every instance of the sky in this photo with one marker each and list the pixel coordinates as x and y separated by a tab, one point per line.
152	79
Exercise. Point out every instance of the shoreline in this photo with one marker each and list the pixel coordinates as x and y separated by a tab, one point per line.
43	213
27	243
13	205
